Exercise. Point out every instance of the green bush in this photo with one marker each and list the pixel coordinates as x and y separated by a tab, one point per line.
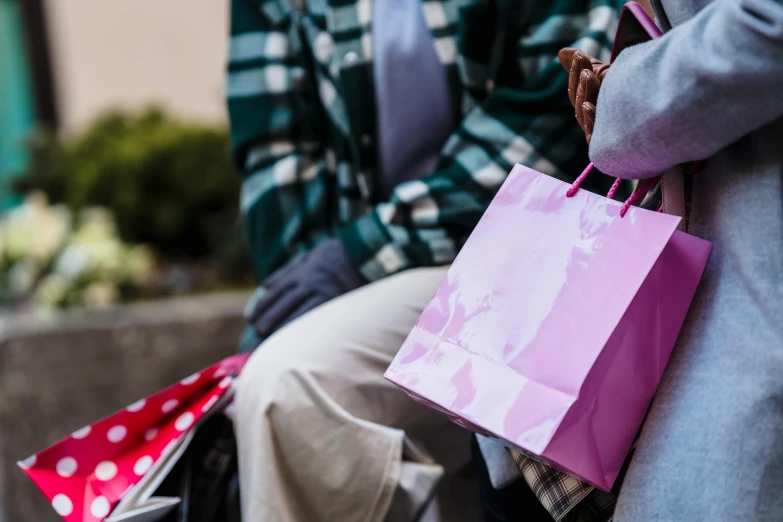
170	184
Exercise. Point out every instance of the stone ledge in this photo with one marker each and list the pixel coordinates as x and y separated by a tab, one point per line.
61	372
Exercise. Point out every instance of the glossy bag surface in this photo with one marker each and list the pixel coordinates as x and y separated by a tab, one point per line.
553	326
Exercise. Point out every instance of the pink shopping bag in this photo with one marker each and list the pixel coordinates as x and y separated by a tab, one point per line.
88	473
553	326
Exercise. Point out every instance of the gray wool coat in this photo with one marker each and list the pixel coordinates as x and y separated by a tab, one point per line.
712	87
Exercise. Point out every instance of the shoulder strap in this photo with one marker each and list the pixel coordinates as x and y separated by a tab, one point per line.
688	171
677	190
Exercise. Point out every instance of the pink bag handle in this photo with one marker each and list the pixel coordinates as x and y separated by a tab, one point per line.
640	191
635	10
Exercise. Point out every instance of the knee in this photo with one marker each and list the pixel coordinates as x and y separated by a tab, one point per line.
276	377
263	374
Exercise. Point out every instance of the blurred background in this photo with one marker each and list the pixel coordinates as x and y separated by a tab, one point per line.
122	259
115	178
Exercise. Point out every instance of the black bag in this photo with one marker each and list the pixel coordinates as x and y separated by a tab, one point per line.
206	477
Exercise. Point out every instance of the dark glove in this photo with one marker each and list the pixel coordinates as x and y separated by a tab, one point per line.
585	75
304	283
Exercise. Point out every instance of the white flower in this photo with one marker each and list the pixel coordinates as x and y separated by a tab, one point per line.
36	230
105	257
52	227
101	295
139	266
98	250
18	233
22	275
96	223
52	291
72	262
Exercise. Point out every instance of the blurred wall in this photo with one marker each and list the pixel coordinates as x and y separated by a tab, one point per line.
112	53
127	54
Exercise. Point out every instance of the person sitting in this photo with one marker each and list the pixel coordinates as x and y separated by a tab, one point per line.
712	445
370	137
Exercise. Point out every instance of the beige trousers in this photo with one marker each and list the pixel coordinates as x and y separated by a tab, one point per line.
322	436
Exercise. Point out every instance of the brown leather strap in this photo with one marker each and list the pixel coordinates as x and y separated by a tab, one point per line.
688	172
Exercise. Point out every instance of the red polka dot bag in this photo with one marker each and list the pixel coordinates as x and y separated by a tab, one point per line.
108	471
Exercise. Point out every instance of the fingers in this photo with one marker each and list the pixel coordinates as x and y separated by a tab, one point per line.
575	62
588	120
573	82
283	274
589	85
265	298
279	312
586	92
600	69
566	56
252	303
578	64
585	75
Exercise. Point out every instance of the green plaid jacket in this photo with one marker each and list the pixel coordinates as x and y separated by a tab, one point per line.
302	107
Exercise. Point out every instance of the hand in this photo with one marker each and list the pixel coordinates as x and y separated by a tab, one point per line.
585	75
304	283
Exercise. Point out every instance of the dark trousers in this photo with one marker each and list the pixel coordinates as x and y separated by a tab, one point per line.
515	503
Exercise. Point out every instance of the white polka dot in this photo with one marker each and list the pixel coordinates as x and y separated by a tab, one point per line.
190	380
220	372
208	405
29	462
106	470
137	406
100	507
150	434
169	405
66	467
184	421
82	433
226	382
142	465
117	434
62	505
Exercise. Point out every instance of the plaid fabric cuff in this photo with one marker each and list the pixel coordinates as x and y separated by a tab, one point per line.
371	249
567	498
558	492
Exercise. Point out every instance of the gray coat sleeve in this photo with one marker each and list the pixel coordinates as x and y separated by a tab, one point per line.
683	97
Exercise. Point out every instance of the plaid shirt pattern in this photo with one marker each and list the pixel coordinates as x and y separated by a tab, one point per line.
301	101
568	499
302	107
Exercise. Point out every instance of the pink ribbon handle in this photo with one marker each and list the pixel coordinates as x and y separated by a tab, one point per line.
640	191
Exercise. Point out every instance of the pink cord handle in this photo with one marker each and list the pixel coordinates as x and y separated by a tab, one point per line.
640	191
615	186
578	181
